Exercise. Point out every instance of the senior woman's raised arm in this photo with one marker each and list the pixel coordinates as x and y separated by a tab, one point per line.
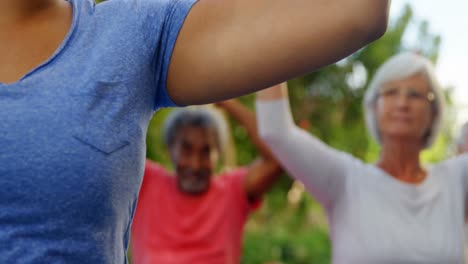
320	168
227	48
462	164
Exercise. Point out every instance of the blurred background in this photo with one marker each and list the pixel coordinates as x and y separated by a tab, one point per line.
290	227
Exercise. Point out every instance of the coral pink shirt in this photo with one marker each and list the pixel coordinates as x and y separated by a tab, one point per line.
170	227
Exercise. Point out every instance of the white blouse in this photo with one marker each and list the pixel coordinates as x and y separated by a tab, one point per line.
373	217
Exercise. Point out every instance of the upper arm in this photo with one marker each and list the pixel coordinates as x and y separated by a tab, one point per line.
229	48
462	162
319	167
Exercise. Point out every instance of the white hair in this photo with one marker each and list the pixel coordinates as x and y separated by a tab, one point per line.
199	116
399	67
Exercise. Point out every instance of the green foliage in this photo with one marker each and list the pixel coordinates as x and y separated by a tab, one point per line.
292	233
327	103
156	149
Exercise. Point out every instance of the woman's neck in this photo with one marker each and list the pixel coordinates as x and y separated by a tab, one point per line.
400	159
16	11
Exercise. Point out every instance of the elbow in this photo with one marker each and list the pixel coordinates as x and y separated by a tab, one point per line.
372	25
377	29
270	137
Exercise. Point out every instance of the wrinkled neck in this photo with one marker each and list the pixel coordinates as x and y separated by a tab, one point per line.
401	160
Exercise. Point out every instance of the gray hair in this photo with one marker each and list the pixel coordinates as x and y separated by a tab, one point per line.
196	116
399	67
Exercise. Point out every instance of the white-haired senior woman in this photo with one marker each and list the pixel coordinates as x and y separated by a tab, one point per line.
393	211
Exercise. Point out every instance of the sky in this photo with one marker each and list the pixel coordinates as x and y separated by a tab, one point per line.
448	19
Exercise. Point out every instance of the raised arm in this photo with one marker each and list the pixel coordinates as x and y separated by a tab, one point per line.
227	48
320	168
462	161
263	172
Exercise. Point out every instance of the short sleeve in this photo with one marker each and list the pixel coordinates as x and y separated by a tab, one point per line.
174	19
161	22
